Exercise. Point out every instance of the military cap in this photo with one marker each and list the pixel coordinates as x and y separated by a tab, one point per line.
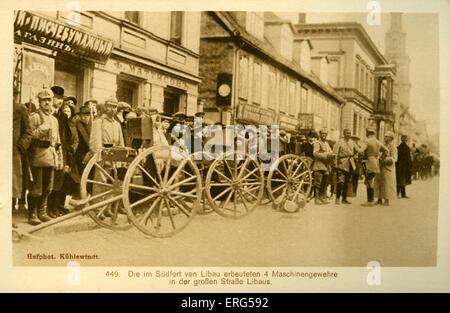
112	100
389	134
207	121
370	130
85	109
200	114
152	111
58	91
45	94
179	114
90	100
71	98
123	106
323	131
404	137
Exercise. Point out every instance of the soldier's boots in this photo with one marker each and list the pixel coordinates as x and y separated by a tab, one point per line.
42	212
32	211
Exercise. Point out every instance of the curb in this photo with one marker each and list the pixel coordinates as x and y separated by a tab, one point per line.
77	224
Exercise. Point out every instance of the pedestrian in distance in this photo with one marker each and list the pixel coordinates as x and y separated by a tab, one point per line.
385	182
403	167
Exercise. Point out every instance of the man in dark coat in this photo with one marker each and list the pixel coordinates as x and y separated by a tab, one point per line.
403	167
83	125
68	144
22	137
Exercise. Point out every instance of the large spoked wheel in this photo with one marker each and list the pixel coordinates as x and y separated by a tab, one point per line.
203	165
234	186
102	181
309	161
161	191
289	182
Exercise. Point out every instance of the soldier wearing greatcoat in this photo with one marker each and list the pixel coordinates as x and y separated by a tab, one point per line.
323	157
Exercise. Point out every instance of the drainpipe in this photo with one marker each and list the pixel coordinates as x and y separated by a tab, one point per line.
235	94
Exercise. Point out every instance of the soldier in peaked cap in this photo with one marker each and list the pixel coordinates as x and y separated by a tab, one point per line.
323	156
45	131
106	130
371	149
345	150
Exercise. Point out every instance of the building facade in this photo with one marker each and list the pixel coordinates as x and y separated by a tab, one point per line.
143	58
357	71
254	54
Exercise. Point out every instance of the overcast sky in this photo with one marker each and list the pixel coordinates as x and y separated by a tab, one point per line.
422	46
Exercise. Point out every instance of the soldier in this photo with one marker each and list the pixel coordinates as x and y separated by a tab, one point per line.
321	167
45	131
106	130
371	166
345	150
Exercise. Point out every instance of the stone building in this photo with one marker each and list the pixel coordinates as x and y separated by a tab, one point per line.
357	71
253	72
143	58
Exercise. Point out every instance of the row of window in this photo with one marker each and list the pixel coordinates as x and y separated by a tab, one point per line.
364	80
263	85
176	23
360	123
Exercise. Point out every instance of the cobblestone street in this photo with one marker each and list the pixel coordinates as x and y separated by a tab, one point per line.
403	234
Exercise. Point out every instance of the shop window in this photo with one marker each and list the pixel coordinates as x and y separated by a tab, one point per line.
132	17
127	91
172	100
176	26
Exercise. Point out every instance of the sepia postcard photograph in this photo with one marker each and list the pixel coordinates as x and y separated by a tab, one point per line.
232	147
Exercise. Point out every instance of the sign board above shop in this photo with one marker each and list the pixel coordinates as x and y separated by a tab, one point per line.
61	37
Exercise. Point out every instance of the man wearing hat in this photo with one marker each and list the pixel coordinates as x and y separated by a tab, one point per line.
69	143
46	141
385	182
323	157
106	130
370	165
345	150
70	101
92	103
83	125
403	167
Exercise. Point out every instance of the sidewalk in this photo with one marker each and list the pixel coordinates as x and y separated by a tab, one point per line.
79	223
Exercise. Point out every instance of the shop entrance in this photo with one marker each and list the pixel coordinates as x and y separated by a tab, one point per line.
70	76
173	100
127	91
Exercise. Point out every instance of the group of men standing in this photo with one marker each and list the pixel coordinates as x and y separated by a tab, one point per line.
51	146
385	167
